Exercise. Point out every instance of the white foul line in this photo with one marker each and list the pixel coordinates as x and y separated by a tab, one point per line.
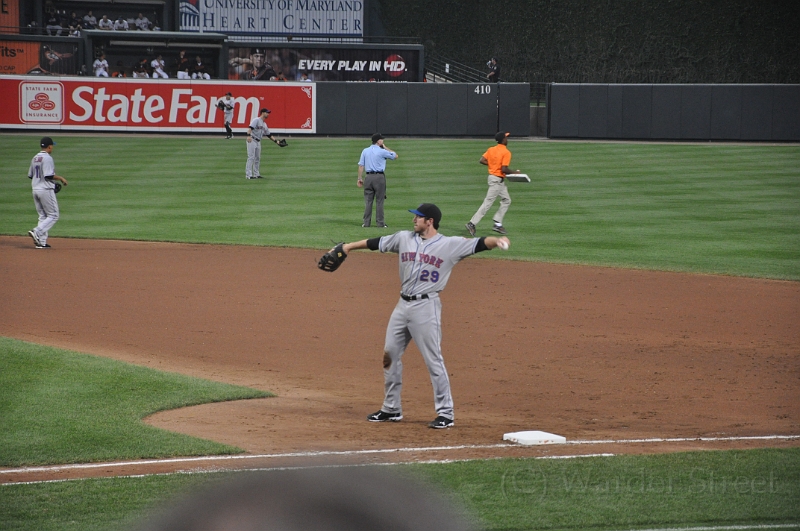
58	468
725	527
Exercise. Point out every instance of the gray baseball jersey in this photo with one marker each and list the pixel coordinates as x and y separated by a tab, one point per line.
227	112
425	267
259	127
42	166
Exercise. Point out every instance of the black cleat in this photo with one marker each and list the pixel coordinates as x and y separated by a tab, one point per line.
382	416
441	422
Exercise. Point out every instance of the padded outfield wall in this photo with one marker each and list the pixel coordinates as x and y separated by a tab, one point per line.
327	108
423	109
674	112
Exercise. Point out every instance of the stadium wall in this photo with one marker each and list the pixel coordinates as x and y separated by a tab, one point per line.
423	109
674	112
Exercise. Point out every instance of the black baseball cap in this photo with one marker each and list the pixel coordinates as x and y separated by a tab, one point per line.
264	110
46	141
500	136
429	211
228	94
376	137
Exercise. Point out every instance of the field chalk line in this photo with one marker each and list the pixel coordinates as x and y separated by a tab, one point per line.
725	527
59	468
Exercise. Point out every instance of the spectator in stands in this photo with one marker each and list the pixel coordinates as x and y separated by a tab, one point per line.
89	20
54	24
494	70
100	66
121	24
158	66
140	70
142	23
74	20
120	70
105	24
33	28
75	31
182	65
199	70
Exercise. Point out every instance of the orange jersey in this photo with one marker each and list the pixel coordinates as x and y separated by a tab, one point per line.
497	157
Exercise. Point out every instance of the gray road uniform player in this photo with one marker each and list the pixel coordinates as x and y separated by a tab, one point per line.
256	132
42	173
426	261
228	104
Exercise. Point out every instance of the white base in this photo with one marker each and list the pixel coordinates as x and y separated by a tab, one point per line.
534	437
518	178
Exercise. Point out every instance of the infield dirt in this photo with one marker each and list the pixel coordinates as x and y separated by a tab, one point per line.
585	352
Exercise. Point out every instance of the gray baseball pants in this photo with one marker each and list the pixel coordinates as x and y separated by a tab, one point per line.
420	320
253	168
47	208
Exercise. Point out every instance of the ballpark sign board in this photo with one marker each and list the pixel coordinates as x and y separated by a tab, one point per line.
103	104
276	17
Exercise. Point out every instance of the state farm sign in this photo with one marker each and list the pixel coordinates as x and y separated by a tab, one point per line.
151	105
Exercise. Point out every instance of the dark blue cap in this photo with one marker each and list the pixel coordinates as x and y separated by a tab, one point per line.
429	211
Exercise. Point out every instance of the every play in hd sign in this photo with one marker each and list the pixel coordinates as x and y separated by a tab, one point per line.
325	64
285	17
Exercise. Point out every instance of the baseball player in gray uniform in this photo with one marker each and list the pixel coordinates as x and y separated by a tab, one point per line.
228	103
257	130
42	173
426	260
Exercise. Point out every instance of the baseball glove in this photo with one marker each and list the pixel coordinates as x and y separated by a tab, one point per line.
58	187
221	105
334	258
282	142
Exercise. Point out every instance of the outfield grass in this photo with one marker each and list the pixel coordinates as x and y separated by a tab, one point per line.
726	209
722	488
64	407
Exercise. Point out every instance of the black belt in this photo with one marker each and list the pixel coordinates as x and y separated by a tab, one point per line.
257	139
371	172
413	297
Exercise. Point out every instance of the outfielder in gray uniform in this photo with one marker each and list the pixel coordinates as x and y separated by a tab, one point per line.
257	130
426	260
228	103
42	173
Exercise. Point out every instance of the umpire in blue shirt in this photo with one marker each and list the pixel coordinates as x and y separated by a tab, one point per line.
373	161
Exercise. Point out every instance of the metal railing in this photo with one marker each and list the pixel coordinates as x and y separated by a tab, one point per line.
264	38
443	70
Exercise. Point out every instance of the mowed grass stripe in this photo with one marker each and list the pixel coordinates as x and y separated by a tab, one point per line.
702	208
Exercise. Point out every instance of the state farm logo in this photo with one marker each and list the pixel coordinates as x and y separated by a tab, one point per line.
41	102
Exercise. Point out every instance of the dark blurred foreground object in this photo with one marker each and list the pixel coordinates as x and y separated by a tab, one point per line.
327	499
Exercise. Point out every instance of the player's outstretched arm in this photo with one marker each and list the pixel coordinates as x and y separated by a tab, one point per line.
492	242
355	246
